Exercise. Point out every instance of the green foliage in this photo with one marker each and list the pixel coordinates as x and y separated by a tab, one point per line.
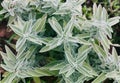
21	66
28	31
59	30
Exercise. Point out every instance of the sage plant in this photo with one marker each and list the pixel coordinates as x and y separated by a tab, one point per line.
80	49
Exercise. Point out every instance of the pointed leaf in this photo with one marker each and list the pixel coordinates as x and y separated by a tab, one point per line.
90	70
101	53
35	39
115	55
104	15
39	24
27	27
83	41
77	39
20	45
69	56
11	19
83	71
9	78
100	78
113	21
84	35
9	69
2	11
98	13
94	10
9	63
16	29
20	23
82	53
105	41
65	69
10	54
70	71
69	27
56	26
45	72
58	66
52	44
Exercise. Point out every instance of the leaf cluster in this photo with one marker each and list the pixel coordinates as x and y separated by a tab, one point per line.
80	41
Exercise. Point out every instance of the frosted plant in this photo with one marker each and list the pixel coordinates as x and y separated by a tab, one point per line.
56	39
